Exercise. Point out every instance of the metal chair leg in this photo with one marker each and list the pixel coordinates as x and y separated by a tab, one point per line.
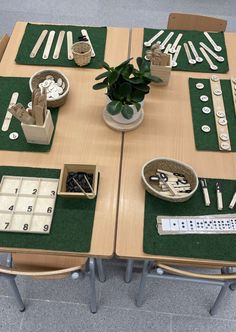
16	293
93	303
232	286
219	298
139	300
101	274
129	270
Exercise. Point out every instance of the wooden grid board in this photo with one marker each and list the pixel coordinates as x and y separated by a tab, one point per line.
27	204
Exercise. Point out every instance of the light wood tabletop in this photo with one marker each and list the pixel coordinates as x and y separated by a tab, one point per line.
81	135
166	131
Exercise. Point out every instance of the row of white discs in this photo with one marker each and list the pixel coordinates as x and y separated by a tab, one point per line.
220	114
53	88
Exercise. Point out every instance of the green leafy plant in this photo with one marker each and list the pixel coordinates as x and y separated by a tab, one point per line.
126	86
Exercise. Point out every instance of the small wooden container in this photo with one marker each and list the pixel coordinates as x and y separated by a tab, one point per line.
39	134
163	72
81	53
90	169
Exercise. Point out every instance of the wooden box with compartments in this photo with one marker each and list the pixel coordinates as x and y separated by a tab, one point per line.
39	134
163	72
78	180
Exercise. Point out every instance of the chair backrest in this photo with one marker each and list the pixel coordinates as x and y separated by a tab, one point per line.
184	21
3	44
44	266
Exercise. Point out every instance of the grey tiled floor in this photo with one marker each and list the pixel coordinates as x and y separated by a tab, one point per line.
62	305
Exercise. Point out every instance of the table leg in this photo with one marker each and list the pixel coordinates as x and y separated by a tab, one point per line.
223	291
93	304
16	292
219	298
139	300
101	274
129	270
13	285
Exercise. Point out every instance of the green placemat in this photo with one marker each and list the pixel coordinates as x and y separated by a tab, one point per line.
209	141
219	247
195	37
72	223
8	85
32	32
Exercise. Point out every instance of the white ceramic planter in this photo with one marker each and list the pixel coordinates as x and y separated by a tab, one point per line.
120	119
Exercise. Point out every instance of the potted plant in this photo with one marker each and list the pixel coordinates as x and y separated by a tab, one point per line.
126	88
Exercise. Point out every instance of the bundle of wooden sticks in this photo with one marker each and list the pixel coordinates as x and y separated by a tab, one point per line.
37	114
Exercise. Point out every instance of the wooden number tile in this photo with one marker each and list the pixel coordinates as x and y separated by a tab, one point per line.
21	223
29	186
10	185
48	187
5	221
7	203
41	224
44	205
25	204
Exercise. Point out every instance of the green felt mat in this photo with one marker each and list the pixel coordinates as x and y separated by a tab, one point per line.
219	247
8	85
195	37
32	32
72	224
209	141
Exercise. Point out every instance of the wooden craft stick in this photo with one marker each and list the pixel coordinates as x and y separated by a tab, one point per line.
233	88
38	44
218	104
8	116
48	44
69	37
57	50
85	34
19	112
39	116
233	201
219	197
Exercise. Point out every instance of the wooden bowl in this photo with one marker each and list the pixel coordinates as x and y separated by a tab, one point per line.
41	75
170	165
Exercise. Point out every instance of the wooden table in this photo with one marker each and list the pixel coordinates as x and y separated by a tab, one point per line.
166	131
81	135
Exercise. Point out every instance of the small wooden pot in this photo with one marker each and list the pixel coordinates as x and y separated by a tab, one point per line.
163	72
39	134
81	53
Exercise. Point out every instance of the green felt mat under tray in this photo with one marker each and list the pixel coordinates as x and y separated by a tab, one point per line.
195	37
209	141
32	32
72	223
8	85
218	247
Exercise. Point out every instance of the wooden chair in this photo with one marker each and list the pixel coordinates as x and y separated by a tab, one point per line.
3	44
47	267
227	279
184	21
